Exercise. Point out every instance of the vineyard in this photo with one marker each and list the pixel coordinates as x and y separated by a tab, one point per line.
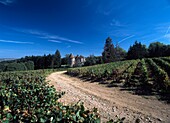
145	75
27	97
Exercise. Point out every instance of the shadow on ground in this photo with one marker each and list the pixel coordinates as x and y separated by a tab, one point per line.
144	91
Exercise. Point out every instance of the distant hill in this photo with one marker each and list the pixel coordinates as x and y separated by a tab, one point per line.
6	59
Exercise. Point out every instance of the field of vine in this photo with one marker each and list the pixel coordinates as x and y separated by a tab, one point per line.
146	74
103	71
27	97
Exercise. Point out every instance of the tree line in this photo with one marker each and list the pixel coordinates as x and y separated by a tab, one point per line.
136	51
45	61
14	66
32	63
110	53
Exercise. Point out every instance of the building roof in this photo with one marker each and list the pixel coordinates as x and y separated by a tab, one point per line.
81	56
71	56
76	57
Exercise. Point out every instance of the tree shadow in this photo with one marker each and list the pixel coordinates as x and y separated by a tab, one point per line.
89	79
114	83
165	97
148	92
141	90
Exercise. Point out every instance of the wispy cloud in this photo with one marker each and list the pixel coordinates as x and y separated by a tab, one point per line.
8	50
55	41
102	9
120	33
116	23
106	8
48	36
168	36
162	27
55	37
16	42
159	38
88	3
6	2
126	38
167	31
68	46
161	32
156	39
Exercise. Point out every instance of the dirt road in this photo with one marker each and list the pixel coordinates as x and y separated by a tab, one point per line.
111	102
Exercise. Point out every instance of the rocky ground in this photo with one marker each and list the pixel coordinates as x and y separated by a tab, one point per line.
111	102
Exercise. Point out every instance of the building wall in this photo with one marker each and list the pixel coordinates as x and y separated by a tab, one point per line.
76	61
72	62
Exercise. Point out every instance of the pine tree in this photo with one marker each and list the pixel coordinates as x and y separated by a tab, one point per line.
56	59
119	53
108	54
137	51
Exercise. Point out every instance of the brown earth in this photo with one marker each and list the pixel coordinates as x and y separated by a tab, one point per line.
111	102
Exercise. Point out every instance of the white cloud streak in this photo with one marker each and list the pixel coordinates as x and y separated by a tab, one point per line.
126	38
68	46
6	2
16	42
116	23
168	36
55	41
48	36
54	37
167	31
156	39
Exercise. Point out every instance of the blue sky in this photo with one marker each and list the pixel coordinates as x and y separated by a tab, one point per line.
38	27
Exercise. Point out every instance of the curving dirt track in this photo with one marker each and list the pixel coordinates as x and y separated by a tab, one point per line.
111	102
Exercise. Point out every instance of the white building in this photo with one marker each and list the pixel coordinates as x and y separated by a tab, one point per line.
75	61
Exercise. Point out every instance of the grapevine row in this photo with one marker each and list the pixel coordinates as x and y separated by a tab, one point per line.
26	97
144	72
129	71
165	65
111	70
161	77
166	59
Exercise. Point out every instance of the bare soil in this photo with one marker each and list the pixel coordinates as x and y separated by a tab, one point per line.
111	102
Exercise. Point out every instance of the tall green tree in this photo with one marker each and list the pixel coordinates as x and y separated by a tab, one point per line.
137	51
157	49
120	53
167	51
29	65
91	60
65	60
108	54
56	59
49	59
